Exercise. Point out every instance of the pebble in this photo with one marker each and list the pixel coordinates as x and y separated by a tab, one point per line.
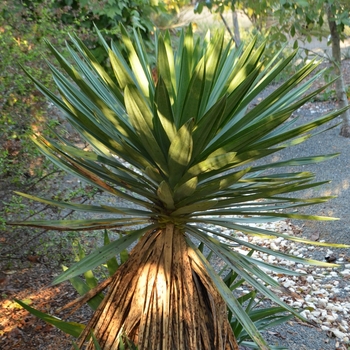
288	284
310	279
338	333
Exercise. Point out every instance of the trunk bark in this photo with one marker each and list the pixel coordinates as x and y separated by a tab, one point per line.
236	31
339	84
161	299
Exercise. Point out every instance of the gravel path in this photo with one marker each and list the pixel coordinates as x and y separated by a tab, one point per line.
294	335
336	170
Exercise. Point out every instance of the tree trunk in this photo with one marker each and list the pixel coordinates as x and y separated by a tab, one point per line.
228	28
339	84
236	31
161	299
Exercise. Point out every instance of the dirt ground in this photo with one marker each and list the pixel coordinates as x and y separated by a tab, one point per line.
21	330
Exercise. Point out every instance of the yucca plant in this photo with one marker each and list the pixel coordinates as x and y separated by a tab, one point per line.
178	142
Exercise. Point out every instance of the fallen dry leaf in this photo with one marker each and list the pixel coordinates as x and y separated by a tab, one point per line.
315	236
33	258
330	258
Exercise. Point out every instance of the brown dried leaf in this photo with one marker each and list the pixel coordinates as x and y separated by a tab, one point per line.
33	258
315	236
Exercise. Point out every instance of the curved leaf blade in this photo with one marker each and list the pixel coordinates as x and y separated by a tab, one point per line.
101	255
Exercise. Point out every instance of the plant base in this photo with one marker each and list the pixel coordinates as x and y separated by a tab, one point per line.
162	298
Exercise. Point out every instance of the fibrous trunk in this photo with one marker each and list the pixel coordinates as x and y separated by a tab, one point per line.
162	298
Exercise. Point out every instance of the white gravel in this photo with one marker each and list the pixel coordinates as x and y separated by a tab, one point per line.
322	294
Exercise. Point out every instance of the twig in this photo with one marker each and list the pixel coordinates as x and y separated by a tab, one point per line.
11	258
42	178
306	324
36	213
228	28
315	53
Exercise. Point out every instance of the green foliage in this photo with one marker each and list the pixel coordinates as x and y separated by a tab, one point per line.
23	24
330	94
22	109
180	144
298	18
308	18
106	15
282	21
264	317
